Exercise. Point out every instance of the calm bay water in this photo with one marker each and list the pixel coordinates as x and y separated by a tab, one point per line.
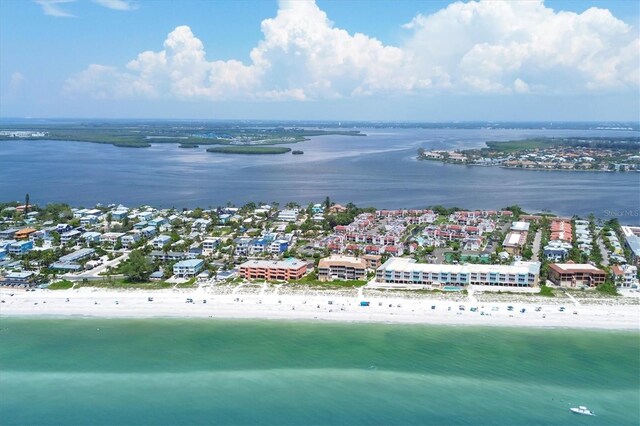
377	170
94	371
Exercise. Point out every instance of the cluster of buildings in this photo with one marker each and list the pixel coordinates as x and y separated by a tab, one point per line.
560	240
557	157
267	243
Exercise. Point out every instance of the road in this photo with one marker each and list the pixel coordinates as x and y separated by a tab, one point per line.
94	273
604	251
536	245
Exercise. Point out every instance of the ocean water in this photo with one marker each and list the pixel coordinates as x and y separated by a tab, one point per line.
191	372
378	170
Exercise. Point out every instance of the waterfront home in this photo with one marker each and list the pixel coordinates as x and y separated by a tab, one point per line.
20	278
576	275
188	268
290	269
625	275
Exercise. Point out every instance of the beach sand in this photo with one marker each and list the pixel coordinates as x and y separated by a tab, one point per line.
255	302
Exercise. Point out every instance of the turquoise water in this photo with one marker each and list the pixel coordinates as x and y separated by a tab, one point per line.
94	371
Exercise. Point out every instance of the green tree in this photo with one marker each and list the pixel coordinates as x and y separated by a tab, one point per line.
137	268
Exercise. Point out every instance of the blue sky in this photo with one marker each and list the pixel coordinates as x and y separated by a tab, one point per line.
361	60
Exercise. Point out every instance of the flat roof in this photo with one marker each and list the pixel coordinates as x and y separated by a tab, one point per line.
282	264
574	267
189	262
401	264
634	244
339	260
78	254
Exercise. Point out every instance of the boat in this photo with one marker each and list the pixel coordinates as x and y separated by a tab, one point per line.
582	410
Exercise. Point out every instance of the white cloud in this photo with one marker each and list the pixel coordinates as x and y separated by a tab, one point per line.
52	8
16	83
117	4
476	47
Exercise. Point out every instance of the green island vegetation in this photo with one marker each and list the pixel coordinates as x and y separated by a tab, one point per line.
624	144
256	150
142	134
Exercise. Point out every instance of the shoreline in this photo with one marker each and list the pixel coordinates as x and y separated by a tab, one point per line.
172	304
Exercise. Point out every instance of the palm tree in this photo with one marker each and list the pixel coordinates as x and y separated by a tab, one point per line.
26	204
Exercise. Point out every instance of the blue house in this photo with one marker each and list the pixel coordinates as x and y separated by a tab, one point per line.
279	246
158	221
118	214
20	247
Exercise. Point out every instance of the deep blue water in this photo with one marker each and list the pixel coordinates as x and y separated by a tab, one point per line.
377	170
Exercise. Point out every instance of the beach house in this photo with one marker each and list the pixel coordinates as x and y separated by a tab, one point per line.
188	268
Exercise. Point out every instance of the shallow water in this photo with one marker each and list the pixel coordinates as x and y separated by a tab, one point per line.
169	371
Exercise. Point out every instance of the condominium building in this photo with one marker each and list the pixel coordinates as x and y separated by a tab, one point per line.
339	267
290	269
576	275
407	271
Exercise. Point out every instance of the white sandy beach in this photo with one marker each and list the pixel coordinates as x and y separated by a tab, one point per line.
340	306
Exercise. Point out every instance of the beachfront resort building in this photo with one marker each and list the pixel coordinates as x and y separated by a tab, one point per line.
290	269
576	275
407	272
339	267
188	268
